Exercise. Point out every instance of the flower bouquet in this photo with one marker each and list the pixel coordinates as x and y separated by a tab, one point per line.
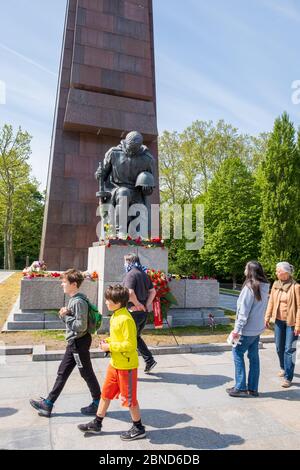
164	298
38	269
111	239
91	276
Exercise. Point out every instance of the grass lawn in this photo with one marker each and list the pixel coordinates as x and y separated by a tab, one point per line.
9	292
229	291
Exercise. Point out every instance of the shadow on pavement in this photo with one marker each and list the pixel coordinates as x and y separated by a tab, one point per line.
154	418
195	438
288	394
4	412
202	381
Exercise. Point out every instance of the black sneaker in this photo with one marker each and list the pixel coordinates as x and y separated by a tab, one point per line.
42	407
253	394
134	433
94	427
149	367
234	392
90	410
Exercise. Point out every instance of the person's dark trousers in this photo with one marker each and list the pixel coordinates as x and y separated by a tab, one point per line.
286	343
140	319
250	344
77	353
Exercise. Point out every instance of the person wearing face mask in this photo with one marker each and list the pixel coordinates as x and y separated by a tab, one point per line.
142	294
284	310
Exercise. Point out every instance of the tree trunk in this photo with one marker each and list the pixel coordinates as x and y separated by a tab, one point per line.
5	261
9	258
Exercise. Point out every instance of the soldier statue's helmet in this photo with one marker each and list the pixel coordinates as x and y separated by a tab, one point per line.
133	142
146	180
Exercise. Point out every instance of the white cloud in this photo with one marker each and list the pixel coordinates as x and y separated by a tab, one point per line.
27	59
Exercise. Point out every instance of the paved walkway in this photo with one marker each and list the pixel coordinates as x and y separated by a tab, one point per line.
184	406
228	302
5	275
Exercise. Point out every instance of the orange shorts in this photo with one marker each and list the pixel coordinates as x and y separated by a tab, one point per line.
120	383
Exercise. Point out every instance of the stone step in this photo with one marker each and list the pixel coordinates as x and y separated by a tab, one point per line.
195	313
34	325
35	317
197	321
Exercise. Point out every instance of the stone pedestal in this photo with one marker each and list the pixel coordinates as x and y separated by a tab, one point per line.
197	299
109	264
40	301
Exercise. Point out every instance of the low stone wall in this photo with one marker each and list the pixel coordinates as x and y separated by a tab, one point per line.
196	299
195	293
47	294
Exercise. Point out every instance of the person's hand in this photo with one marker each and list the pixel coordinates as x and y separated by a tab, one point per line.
104	346
235	335
267	324
297	332
139	308
149	307
63	312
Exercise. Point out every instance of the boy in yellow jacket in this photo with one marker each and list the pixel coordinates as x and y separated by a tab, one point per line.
121	376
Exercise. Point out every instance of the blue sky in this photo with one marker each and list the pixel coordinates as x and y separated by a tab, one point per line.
233	60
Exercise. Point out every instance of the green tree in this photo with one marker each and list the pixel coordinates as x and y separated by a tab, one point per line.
170	167
189	160
232	214
14	173
28	224
280	182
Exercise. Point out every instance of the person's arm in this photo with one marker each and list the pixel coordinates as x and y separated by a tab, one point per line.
297	326
130	283
79	321
129	342
133	299
151	297
270	307
246	301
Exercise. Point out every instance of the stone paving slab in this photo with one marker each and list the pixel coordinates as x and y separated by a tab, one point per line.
5	275
184	407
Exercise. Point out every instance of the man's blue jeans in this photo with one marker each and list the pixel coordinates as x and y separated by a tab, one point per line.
286	343
250	344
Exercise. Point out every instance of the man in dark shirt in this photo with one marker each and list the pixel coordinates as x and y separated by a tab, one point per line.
142	294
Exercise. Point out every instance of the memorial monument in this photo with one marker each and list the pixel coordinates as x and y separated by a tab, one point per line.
106	89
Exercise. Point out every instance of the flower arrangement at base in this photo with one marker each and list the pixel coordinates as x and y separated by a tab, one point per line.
164	298
91	276
195	277
38	270
111	239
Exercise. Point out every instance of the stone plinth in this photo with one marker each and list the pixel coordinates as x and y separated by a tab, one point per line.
41	294
194	293
47	294
109	264
40	301
197	299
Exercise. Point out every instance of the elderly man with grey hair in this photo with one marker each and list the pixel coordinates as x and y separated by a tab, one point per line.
284	310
